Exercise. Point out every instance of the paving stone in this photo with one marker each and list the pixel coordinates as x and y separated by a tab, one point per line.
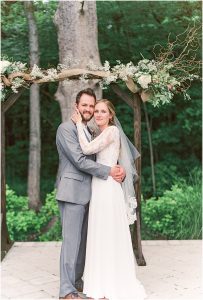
31	270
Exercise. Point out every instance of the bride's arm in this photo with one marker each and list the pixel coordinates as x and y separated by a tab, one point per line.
100	142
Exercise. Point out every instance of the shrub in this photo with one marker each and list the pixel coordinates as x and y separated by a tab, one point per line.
24	224
175	215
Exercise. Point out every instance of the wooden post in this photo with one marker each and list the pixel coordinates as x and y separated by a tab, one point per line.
135	104
5	240
137	138
6	243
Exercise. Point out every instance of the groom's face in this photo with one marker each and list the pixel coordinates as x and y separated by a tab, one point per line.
86	107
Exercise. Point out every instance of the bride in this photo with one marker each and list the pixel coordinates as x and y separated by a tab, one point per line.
110	264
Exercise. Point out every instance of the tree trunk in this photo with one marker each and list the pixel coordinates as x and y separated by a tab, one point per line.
35	143
76	22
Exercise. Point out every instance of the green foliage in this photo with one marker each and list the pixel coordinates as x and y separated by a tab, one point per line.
128	29
48	211
15	42
167	172
24	224
177	214
14	32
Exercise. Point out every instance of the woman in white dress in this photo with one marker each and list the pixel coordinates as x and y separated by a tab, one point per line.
110	264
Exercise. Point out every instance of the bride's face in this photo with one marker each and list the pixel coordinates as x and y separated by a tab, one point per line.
102	115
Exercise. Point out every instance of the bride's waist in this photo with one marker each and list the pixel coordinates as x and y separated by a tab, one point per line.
103	182
109	163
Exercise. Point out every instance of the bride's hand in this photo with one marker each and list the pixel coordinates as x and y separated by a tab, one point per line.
76	116
118	173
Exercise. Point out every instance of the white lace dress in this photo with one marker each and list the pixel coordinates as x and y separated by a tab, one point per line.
110	264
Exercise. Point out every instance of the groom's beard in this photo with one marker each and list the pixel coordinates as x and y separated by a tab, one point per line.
86	117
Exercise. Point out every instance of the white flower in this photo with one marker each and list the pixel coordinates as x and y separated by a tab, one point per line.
142	64
51	74
1	86
145	61
61	67
4	64
20	66
17	66
152	67
84	78
193	76
17	82
144	80
106	66
109	79
36	72
91	66
101	84
124	71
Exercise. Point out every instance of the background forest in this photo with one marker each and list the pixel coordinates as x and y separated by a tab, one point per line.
127	31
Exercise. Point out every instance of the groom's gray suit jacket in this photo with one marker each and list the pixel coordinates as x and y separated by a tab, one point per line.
75	169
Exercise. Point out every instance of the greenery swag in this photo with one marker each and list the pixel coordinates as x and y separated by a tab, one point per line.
157	80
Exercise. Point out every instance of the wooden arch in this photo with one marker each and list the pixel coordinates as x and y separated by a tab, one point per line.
134	102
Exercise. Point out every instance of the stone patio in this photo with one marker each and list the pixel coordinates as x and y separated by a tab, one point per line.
31	270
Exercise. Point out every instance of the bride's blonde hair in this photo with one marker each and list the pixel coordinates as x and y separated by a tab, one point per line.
111	109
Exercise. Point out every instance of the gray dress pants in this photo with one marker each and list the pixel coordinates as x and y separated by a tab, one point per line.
74	221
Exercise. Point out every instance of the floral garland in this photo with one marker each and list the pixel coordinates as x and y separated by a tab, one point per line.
149	78
156	80
16	74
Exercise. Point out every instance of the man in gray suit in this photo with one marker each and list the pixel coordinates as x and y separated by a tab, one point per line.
74	193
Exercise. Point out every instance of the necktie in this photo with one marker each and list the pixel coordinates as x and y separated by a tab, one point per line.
87	133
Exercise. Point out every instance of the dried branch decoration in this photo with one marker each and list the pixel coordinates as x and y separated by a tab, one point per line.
181	55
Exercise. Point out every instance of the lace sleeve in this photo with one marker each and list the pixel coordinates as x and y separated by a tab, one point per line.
100	142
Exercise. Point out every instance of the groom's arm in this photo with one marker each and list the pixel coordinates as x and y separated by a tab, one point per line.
68	142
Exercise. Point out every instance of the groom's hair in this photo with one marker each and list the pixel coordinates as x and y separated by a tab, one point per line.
87	91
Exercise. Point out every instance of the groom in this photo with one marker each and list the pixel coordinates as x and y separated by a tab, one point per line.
74	193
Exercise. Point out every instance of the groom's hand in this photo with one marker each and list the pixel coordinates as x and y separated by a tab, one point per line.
118	173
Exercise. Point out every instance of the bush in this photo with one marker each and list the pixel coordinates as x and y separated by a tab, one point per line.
24	224
167	173
175	215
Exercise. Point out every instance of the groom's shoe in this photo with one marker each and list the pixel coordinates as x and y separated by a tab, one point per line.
79	285
83	296
71	296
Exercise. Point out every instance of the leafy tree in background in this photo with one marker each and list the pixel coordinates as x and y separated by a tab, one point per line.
15	44
127	31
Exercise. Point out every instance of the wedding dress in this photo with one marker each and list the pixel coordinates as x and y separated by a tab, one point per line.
110	264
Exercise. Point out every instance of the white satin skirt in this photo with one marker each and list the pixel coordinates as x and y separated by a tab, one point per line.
110	263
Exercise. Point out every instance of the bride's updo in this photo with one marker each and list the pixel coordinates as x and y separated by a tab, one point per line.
111	109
